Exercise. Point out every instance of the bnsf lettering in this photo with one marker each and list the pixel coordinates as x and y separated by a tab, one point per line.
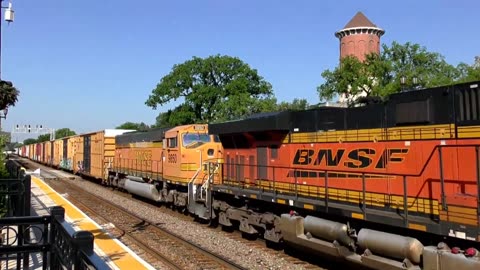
330	159
303	157
143	155
360	158
391	155
355	159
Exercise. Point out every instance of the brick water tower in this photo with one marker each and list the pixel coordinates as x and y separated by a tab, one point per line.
359	37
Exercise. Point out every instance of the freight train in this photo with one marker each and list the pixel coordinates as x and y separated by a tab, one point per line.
387	185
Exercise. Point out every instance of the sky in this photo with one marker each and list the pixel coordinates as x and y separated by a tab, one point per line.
91	65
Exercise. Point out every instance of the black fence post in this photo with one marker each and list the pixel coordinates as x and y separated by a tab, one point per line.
27	195
57	212
25	211
83	241
58	215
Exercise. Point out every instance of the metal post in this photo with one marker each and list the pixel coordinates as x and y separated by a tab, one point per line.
1	6
45	235
442	180
83	241
405	200
477	158
209	190
364	204
296	186
326	191
27	183
274	190
58	215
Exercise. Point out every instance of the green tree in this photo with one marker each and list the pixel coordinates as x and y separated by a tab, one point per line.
64	132
353	77
296	105
43	138
136	126
17	144
216	88
3	170
469	73
8	94
379	75
29	141
412	60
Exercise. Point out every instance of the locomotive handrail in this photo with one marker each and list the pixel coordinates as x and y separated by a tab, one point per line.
363	174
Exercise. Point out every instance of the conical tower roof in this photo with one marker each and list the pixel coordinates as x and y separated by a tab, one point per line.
359	20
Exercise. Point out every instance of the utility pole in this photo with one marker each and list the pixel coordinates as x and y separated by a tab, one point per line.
9	17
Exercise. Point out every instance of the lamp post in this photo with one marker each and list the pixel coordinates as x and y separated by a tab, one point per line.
403	81
415	82
9	16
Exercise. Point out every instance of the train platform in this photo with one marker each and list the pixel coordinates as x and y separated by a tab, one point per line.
116	254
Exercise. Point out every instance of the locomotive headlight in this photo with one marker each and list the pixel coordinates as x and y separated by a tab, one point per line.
210	152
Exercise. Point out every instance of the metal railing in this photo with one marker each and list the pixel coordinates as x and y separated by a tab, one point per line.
286	180
47	242
34	242
15	193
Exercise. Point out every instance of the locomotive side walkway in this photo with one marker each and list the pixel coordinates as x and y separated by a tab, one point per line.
115	253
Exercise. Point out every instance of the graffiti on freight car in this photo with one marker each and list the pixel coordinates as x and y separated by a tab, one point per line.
143	155
66	164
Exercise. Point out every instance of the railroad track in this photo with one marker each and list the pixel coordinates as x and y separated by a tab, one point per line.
301	261
170	249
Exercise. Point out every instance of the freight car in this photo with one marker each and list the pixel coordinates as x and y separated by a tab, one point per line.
94	152
166	165
64	152
409	164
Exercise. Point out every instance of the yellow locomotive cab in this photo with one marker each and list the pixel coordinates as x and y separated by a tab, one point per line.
186	148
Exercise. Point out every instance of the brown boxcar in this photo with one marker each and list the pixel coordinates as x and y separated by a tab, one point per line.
64	152
38	152
57	152
95	152
31	151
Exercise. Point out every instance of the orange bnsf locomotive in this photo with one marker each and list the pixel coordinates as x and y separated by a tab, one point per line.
167	165
410	165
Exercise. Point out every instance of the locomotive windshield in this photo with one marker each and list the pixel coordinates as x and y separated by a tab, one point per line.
192	140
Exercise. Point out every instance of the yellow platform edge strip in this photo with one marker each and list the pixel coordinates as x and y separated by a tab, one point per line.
113	248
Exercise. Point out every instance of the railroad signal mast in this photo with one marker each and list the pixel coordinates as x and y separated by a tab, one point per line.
31	129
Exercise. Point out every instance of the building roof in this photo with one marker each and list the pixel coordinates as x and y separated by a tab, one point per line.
359	20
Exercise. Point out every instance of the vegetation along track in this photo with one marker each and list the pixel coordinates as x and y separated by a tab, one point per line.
172	250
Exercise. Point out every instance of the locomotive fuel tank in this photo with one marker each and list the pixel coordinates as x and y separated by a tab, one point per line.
391	245
329	230
142	189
